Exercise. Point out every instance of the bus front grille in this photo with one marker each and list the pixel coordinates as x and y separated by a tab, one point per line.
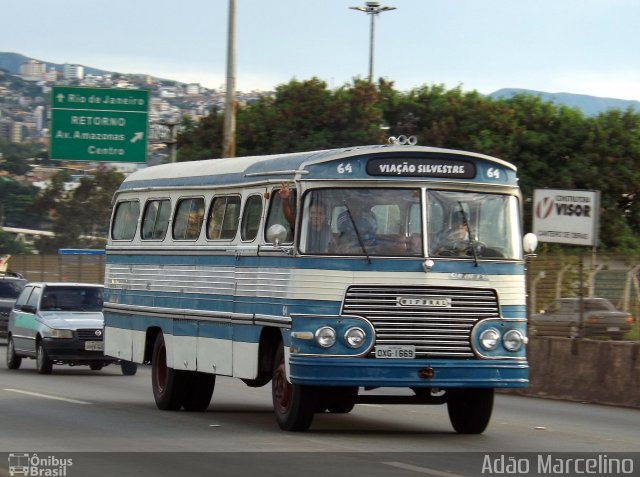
437	320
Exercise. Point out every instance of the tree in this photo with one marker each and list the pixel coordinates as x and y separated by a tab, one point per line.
15	203
80	217
8	244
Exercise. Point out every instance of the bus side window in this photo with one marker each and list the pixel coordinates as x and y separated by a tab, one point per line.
188	218
125	220
155	219
251	218
277	213
224	216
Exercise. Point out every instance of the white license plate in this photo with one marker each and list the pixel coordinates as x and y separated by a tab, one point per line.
613	328
94	345
396	351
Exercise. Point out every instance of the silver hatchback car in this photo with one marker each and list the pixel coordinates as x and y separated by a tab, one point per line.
59	323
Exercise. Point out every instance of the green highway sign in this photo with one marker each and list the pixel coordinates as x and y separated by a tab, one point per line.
99	124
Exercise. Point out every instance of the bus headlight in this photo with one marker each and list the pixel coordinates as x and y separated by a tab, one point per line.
326	337
512	340
489	339
355	337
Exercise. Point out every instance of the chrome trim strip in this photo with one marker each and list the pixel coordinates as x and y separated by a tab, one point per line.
277	173
200	315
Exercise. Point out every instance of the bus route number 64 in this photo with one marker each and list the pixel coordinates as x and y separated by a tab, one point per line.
345	168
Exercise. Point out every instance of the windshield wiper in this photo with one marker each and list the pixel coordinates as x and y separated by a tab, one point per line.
355	228
465	222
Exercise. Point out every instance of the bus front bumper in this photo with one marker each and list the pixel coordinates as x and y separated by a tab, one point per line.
413	373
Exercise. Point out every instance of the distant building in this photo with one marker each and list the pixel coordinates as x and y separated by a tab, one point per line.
38	117
193	89
73	72
33	70
51	76
16	132
168	92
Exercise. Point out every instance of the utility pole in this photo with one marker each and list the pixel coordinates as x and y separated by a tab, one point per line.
229	133
373	9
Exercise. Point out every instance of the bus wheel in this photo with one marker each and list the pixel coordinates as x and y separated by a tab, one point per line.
293	404
470	409
199	389
167	383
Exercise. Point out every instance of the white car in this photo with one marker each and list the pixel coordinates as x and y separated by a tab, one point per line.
59	323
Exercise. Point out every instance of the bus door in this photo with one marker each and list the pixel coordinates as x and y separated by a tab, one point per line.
249	283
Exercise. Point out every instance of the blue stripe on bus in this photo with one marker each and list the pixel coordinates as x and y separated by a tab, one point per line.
222	303
321	263
514	311
192	328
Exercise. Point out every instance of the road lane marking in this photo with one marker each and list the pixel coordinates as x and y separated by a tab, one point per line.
422	470
46	396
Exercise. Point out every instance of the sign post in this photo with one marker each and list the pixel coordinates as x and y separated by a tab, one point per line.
570	217
99	124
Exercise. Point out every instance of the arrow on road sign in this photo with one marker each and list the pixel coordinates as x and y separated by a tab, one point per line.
137	136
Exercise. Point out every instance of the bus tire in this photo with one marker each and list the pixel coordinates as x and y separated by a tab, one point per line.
167	383
199	389
470	409
294	405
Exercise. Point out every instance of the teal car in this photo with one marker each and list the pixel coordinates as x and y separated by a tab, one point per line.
59	323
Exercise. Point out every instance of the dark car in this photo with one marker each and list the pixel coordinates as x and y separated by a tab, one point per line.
59	323
600	318
11	285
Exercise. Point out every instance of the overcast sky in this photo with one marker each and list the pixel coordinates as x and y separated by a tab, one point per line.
576	46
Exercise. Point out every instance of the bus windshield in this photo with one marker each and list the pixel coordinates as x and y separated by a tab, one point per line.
471	224
388	222
362	222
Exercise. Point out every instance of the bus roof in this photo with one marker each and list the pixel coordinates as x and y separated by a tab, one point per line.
316	165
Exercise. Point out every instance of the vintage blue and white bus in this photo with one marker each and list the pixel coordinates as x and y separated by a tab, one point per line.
329	274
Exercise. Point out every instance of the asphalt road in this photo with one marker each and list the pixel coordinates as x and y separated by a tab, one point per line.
108	425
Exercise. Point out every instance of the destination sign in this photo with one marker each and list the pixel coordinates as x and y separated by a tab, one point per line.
99	124
422	167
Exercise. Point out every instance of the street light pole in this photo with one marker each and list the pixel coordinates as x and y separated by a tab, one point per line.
229	132
373	9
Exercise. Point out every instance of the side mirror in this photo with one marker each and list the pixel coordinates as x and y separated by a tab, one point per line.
28	308
529	243
276	234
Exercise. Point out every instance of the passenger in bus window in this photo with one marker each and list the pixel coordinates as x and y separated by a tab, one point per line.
319	233
288	204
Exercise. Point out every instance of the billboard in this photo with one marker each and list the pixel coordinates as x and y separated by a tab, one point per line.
566	216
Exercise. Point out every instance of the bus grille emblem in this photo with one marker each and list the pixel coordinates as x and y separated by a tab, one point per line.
422	301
